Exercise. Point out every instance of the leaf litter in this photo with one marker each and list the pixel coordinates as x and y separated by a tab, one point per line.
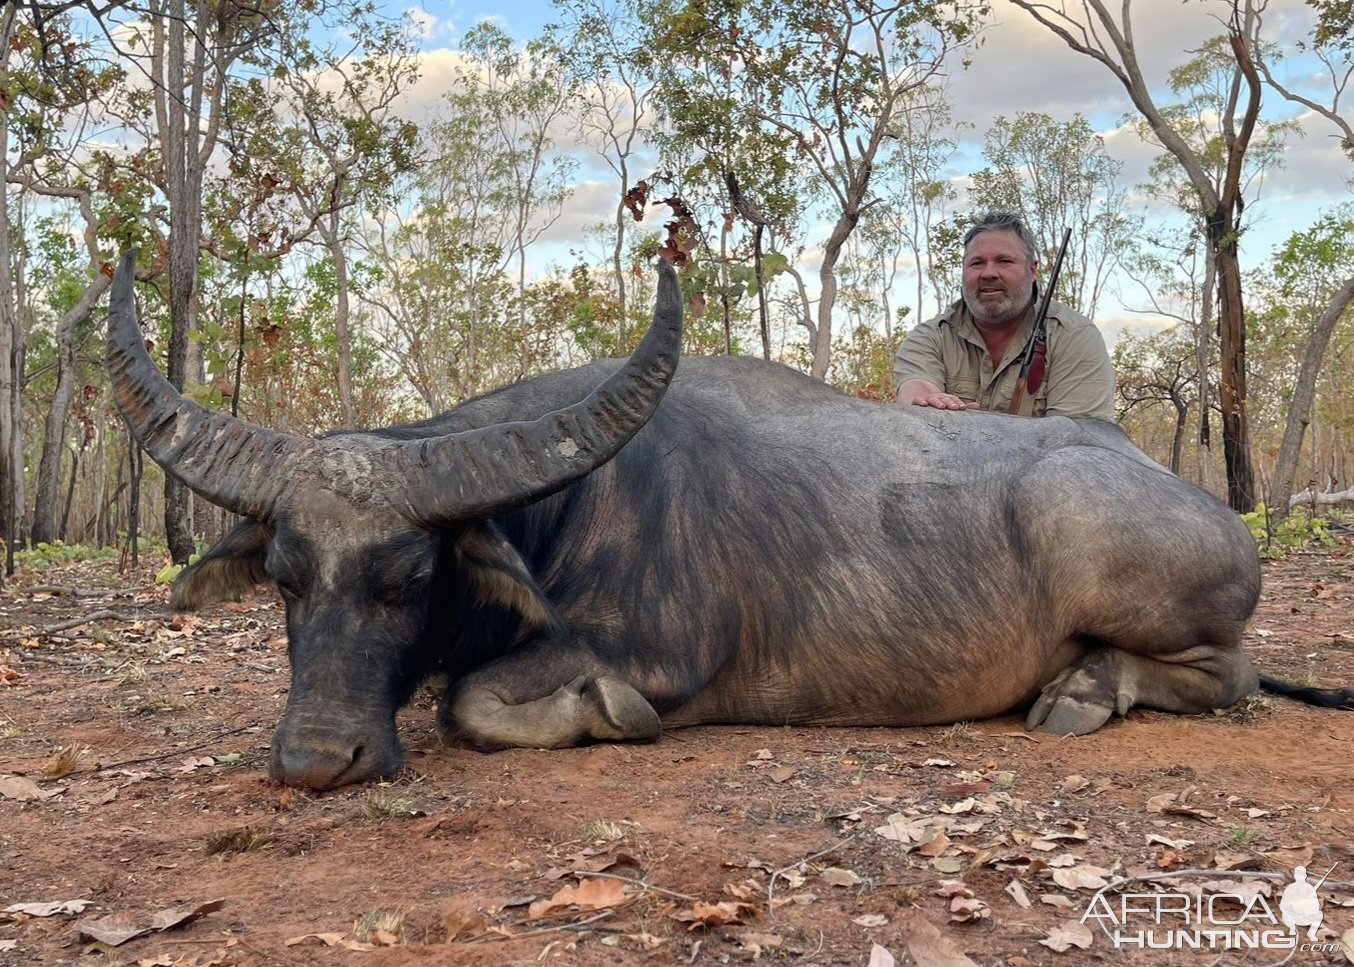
1006	819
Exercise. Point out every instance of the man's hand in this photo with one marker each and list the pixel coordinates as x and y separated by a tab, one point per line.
920	392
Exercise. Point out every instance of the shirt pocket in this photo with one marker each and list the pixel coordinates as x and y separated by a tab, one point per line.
963	386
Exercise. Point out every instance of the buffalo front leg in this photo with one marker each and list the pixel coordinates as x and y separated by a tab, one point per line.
1108	681
493	715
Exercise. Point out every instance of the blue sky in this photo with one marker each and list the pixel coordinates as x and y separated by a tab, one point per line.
1021	67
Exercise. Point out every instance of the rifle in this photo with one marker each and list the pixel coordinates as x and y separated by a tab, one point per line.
1032	364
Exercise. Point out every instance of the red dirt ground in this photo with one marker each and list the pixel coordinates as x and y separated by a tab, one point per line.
133	748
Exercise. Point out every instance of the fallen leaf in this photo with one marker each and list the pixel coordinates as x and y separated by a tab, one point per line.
1155	840
753	941
967	909
592	894
113	930
49	909
463	922
927	945
712	914
836	876
902	829
1018	894
1081	877
25	790
1069	934
117	929
871	920
880	957
1075	784
1056	900
962	806
781	774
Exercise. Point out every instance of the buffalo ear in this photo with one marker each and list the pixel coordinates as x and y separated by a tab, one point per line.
234	564
498	575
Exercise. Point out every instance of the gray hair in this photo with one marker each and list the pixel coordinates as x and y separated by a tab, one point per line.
1002	222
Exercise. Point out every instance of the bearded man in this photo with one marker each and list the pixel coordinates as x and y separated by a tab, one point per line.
969	358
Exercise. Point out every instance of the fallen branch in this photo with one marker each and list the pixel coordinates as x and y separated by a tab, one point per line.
1310	496
165	755
771	883
578	925
102	615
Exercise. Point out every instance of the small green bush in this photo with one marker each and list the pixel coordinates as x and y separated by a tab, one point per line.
1300	529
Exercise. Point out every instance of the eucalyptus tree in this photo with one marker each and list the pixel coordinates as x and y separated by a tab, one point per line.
518	98
800	100
342	146
453	296
1313	288
921	196
1092	28
1058	175
1156	372
598	42
53	88
1332	40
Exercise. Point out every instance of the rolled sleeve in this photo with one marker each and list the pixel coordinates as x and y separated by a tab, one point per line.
921	356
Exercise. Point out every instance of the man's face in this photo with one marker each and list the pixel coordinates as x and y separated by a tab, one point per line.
998	277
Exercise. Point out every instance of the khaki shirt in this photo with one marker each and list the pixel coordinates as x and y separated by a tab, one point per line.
949	351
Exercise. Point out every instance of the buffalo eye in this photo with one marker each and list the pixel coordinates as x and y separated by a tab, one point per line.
399	572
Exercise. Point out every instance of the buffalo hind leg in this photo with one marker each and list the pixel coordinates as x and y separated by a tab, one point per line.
604	707
1108	681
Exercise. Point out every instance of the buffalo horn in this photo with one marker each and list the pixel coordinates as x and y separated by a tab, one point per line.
482	472
459	476
228	461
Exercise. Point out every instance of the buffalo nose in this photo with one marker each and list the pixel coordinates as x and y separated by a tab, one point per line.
329	768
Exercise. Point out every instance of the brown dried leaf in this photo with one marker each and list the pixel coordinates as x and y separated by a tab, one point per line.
967	909
936	845
49	909
1081	877
880	957
1075	783
927	945
592	894
463	922
712	914
836	876
1070	934
1017	893
24	790
117	929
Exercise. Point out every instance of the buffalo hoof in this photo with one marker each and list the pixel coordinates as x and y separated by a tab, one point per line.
624	713
604	708
1081	699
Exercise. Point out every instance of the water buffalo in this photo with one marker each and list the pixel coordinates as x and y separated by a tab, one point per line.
583	562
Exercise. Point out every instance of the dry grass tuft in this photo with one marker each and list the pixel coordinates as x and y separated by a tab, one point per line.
385	928
63	762
243	839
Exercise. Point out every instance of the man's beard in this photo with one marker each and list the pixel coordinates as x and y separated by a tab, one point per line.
1015	301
